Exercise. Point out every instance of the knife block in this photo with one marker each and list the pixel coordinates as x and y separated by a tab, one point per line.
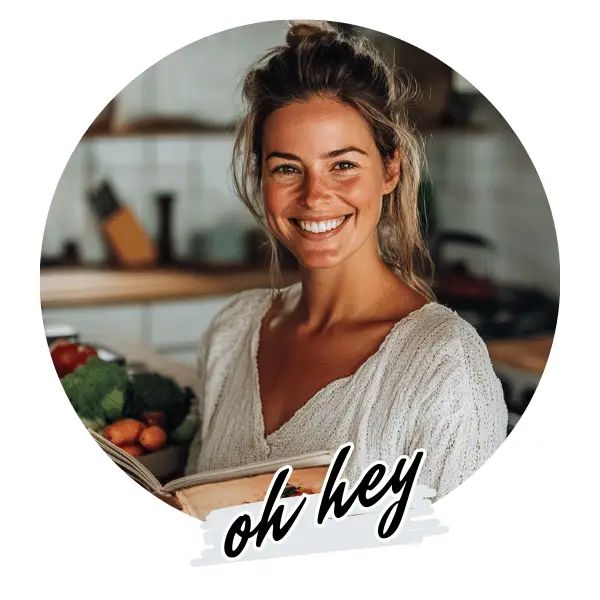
126	238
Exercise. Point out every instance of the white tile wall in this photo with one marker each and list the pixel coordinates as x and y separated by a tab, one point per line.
200	80
487	184
194	168
66	219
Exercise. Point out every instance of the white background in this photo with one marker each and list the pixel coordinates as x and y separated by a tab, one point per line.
74	526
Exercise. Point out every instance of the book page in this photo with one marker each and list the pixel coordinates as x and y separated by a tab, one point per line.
199	500
311	459
200	493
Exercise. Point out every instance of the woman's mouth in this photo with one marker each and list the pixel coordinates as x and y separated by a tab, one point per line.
321	228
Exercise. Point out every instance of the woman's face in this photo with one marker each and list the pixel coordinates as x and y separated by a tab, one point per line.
322	181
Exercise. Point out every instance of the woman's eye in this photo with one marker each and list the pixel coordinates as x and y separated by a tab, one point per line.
285	169
344	165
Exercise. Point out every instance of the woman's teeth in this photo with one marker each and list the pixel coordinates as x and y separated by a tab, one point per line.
320	226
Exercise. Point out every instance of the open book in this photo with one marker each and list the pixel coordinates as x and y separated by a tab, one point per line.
200	493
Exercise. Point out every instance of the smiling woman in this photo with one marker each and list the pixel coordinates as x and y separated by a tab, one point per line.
323	201
358	351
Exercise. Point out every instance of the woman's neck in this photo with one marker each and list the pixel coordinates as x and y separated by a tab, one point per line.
361	288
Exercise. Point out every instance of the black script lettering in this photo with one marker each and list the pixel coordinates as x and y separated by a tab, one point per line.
333	497
330	496
241	527
269	519
403	486
401	481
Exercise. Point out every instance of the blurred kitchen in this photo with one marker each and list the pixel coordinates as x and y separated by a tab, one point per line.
145	239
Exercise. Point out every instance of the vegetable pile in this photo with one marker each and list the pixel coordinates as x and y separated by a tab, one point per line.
135	437
140	414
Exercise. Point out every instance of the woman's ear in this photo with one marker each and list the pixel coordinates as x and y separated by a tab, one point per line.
392	169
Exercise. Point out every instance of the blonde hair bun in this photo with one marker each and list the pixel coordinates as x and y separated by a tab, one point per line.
300	30
320	59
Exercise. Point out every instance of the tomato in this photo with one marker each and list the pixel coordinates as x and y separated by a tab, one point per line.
154	418
67	356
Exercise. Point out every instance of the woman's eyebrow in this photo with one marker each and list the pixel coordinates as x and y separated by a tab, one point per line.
332	154
341	151
285	155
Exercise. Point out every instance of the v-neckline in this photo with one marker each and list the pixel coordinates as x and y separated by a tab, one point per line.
254	348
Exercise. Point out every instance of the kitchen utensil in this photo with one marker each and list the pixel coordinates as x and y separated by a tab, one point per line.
164	202
454	279
55	330
125	236
496	311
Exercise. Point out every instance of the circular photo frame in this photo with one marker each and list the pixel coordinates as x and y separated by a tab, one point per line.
327	236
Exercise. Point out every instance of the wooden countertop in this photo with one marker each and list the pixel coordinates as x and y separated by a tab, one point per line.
89	286
528	354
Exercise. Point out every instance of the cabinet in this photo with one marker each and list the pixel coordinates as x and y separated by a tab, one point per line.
123	321
172	328
179	324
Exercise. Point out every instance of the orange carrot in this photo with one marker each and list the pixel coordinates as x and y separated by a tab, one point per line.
133	449
125	431
153	438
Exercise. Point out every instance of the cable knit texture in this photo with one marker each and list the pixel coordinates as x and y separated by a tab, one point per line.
429	385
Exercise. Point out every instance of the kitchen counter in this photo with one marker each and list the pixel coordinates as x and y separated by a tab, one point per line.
519	363
70	288
140	356
528	354
63	287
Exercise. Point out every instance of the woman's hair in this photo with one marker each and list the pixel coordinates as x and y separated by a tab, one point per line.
317	60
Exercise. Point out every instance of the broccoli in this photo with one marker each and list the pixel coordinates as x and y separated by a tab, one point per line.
96	390
149	392
112	404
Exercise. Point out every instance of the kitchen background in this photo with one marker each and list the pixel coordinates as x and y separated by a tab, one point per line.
163	146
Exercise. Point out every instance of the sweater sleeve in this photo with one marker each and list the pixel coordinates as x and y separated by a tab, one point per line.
198	404
464	419
215	362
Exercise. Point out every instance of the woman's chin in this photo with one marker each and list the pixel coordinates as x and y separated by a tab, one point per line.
311	263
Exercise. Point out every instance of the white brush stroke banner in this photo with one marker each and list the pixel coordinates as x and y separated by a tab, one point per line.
358	529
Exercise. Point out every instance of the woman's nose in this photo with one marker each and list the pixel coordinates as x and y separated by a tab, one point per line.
314	192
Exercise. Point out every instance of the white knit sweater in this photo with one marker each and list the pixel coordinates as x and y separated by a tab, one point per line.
429	385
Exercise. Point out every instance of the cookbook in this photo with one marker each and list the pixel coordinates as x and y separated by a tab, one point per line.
200	493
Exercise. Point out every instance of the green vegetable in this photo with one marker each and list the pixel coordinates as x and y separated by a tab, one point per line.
187	428
151	392
96	390
112	404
